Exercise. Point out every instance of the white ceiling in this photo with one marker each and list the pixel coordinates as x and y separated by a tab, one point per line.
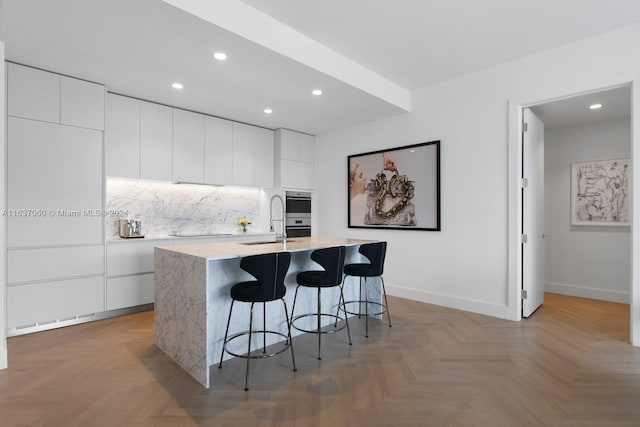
140	47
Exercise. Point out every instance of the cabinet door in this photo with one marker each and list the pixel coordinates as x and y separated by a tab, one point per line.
242	154
218	151
156	141
299	175
263	157
33	94
54	179
122	137
130	291
289	147
125	258
307	148
30	265
188	146
55	300
81	103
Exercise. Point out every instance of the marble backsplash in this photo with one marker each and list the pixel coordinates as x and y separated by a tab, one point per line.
165	207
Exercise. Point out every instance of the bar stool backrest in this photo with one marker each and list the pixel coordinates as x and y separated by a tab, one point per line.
332	260
375	253
270	271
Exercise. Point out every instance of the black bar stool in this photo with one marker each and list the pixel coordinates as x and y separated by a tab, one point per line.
270	271
375	253
332	261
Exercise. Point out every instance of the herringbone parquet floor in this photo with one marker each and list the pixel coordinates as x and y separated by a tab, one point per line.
568	365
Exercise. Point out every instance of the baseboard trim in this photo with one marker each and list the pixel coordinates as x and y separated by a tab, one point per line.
591	293
494	310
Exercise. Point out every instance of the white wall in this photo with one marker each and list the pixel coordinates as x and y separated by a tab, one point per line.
465	265
585	261
3	283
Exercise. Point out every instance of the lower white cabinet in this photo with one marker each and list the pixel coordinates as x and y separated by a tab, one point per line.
31	265
46	285
129	291
130	279
47	302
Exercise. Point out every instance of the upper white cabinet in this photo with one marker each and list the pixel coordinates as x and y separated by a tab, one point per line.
243	160
218	149
48	97
81	103
122	137
151	141
156	141
33	94
138	139
263	157
252	156
295	159
188	146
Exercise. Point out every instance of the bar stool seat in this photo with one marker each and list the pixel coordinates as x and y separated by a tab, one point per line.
270	271
375	254
332	261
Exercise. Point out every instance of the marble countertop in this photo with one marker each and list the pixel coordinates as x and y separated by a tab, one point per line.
185	239
226	250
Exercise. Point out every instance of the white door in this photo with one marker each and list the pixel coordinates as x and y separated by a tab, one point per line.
532	213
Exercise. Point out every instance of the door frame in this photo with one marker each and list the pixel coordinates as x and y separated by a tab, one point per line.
514	223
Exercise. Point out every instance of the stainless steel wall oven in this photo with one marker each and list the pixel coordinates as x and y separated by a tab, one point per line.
298	214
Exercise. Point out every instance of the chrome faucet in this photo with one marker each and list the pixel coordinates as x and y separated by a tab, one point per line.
271	220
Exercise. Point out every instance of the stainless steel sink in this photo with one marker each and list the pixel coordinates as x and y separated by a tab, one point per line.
197	234
267	243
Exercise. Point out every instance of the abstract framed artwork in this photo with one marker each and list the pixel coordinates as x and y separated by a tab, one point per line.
397	188
601	192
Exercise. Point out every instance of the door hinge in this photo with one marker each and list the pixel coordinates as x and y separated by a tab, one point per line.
523	238
524	183
523	295
525	127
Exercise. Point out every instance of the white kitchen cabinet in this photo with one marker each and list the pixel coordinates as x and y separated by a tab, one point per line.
263	157
54	183
130	291
156	141
122	137
130	279
44	302
306	148
81	103
48	97
124	258
294	160
218	151
33	94
188	146
243	160
30	265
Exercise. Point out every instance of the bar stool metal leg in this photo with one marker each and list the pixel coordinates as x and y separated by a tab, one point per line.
226	334
286	315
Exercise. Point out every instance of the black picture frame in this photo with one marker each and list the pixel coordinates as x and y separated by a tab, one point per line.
397	188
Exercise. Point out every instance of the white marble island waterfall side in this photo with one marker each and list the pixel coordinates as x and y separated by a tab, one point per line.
192	284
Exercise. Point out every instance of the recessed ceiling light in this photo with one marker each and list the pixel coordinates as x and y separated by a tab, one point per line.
268	110
316	92
220	56
177	86
595	106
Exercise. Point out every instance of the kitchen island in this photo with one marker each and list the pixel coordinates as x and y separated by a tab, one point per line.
192	284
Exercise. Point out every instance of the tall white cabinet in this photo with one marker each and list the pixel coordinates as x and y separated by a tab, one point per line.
55	234
295	159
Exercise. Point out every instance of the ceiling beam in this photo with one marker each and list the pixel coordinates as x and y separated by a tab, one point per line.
252	24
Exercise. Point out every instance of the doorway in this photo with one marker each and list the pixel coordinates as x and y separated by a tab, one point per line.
516	108
591	260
